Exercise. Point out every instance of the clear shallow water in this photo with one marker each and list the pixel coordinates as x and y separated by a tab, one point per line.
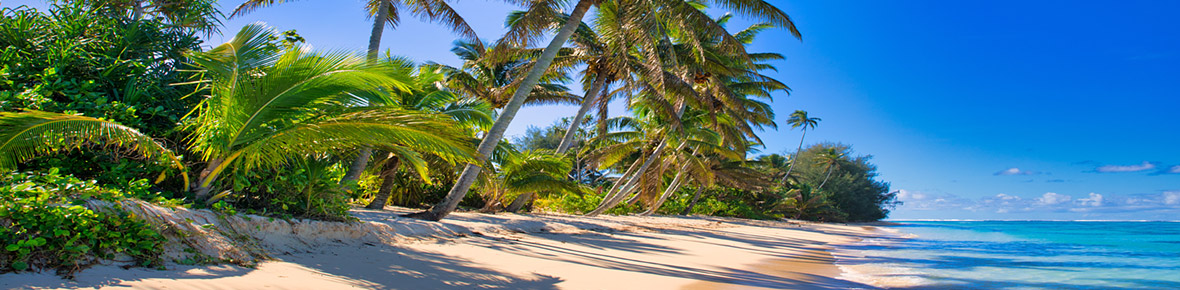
1019	255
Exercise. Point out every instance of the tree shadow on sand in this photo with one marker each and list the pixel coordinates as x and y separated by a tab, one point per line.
594	256
366	267
380	267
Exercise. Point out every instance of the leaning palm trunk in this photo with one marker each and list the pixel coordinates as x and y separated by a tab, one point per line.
204	179
387	177
567	141
587	101
821	184
520	201
797	151
633	182
622	179
362	157
489	142
137	11
695	198
672	188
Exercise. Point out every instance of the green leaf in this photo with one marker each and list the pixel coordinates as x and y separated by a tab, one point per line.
20	265
12	248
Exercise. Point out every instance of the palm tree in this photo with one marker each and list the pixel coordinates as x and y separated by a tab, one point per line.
384	12
264	106
829	157
731	173
426	94
526	173
493	80
536	20
723	87
799	119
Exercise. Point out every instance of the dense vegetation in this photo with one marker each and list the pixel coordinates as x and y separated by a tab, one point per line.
123	97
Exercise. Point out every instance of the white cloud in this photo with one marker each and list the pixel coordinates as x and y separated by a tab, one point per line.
1159	205
1094	200
906	195
1173	169
1053	198
1007	197
1125	168
1015	171
1172	197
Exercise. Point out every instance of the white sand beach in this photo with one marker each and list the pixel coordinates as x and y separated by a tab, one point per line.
511	251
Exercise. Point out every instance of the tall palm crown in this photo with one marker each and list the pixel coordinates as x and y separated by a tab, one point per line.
799	119
494	80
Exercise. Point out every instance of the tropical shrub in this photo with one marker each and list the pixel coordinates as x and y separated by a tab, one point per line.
306	187
579	204
851	185
267	110
45	225
79	59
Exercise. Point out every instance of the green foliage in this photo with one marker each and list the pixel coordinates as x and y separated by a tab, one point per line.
266	105
579	204
409	191
541	138
101	64
45	227
807	204
27	134
305	188
851	188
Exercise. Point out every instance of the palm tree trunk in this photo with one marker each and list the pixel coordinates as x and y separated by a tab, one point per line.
633	182
387	176
202	189
610	194
379	21
821	184
797	151
587	101
137	12
672	188
362	158
489	142
520	201
358	165
603	108
693	203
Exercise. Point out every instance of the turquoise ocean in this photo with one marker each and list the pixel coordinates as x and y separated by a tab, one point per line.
1017	255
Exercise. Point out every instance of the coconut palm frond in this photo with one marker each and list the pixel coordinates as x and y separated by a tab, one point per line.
28	134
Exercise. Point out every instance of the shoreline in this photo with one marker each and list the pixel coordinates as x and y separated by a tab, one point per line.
512	251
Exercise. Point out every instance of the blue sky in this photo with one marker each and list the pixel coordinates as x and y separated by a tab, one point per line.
971	109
